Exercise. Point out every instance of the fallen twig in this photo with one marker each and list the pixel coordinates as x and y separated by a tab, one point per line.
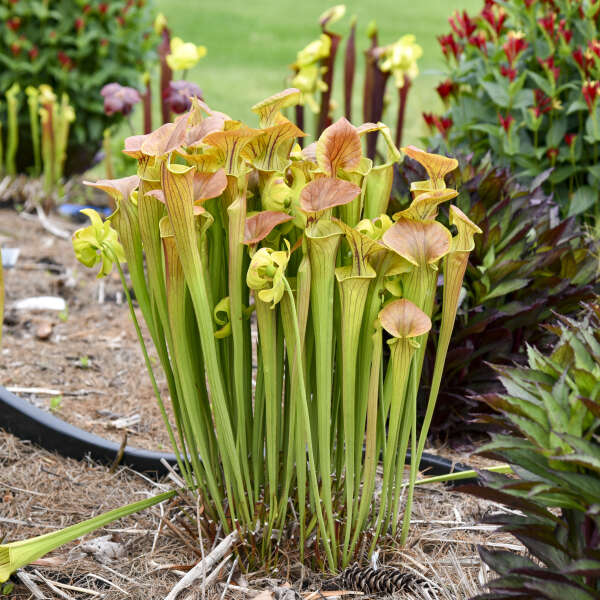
49	226
51	585
207	565
28	582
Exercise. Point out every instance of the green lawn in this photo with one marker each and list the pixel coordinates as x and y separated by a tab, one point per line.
251	43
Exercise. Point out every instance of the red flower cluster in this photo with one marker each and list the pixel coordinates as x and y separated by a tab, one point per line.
463	25
14	23
585	60
590	91
65	61
34	53
514	45
548	24
449	45
548	65
543	103
445	89
594	46
442	124
495	16
79	23
566	34
480	41
509	72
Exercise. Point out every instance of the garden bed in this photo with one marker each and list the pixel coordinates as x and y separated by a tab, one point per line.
442	546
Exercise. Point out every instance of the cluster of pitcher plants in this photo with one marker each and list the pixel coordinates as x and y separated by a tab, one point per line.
269	278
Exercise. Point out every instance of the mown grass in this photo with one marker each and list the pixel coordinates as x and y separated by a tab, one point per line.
251	44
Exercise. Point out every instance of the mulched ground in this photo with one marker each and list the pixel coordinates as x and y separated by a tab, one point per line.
92	373
41	492
87	358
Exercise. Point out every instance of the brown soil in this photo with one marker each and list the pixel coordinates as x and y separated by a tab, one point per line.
91	358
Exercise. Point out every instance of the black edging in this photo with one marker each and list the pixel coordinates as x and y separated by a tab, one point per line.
21	418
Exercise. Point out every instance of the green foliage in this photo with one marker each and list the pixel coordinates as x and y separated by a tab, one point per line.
550	411
272	413
76	47
55	403
522	83
528	263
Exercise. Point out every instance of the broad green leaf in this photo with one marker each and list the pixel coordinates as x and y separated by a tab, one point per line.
497	93
505	288
584	198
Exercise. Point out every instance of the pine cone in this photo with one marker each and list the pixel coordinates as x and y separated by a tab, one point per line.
386	580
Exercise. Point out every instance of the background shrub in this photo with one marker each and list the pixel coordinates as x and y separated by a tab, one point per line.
76	47
522	81
551	409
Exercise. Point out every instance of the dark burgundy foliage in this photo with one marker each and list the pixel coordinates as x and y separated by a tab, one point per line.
526	264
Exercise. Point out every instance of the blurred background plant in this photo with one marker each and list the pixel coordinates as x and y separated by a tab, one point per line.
522	82
76	47
550	411
314	74
528	262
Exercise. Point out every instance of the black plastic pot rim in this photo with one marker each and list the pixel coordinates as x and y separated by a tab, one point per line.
26	421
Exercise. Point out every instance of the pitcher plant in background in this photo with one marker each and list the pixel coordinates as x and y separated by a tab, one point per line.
314	71
269	278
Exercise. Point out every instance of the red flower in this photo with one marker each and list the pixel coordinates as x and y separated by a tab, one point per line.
529	3
463	25
14	23
495	18
64	60
594	46
179	94
543	103
33	53
445	88
570	139
552	153
480	41
590	91
119	99
104	42
449	45
514	45
120	21
548	24
86	9
585	60
79	23
566	34
443	125
508	72
15	48
429	119
506	122
103	8
548	65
